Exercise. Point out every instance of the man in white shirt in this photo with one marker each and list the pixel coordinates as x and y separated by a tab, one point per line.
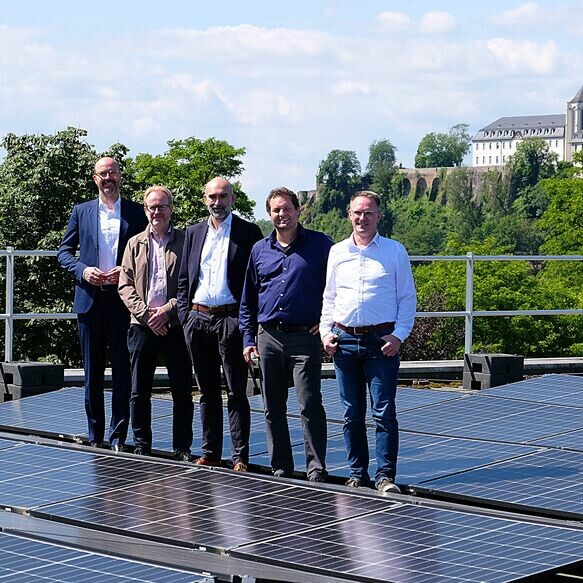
368	311
210	284
99	230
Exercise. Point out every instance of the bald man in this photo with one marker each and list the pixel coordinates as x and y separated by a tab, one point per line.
99	230
210	285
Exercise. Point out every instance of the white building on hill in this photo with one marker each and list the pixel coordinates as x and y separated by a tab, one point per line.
493	144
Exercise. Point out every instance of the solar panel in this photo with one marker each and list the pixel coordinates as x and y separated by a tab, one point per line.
33	474
569	440
558	389
210	508
340	534
421	544
493	418
23	559
545	480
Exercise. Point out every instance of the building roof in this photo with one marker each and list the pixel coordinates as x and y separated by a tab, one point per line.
506	128
579	97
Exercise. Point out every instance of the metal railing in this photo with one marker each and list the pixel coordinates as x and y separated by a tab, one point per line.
468	313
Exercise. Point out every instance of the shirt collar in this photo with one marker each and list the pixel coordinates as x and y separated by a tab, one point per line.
301	233
116	204
226	223
374	241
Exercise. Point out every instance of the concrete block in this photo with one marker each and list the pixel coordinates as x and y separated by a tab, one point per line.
32	374
494	364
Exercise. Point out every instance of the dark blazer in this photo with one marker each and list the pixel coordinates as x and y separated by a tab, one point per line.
243	236
81	234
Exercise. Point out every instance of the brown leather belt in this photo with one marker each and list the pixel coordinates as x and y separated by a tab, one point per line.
226	309
362	330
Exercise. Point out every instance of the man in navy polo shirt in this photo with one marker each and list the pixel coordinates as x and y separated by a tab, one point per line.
280	311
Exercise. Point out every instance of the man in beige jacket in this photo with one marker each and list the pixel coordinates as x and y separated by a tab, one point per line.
147	286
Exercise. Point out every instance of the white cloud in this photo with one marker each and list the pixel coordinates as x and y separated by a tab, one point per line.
351	88
437	22
394	21
258	107
524	56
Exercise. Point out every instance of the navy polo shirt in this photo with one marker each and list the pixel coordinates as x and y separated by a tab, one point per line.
284	285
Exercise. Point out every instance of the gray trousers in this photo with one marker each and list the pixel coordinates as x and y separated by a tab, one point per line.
298	353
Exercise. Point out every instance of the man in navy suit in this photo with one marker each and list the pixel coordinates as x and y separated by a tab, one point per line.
100	229
210	285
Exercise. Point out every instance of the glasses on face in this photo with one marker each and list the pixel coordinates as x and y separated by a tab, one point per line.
105	173
156	207
362	214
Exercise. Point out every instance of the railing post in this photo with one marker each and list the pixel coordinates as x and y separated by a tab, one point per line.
469	327
9	324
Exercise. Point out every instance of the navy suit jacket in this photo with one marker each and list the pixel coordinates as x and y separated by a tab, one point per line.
81	234
243	236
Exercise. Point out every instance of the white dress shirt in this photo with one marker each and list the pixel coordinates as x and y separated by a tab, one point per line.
212	289
369	286
108	234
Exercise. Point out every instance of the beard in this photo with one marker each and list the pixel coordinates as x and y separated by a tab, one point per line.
219	212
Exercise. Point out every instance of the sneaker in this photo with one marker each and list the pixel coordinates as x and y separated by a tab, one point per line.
142	451
317	478
356	483
182	456
280	473
387	486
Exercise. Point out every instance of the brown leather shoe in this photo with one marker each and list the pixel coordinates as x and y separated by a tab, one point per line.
205	461
241	467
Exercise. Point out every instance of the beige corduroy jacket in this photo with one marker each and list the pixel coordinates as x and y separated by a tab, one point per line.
133	279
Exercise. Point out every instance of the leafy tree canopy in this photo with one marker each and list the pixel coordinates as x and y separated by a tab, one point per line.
337	180
185	168
438	150
381	167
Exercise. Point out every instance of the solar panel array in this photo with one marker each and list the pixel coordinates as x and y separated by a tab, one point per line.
280	523
447	437
25	560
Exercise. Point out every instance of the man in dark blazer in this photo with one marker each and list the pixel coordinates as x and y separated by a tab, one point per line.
210	285
100	229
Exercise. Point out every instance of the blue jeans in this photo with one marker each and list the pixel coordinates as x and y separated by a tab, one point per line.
360	365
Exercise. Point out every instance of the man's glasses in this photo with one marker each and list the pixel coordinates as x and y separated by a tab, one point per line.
156	207
362	214
103	175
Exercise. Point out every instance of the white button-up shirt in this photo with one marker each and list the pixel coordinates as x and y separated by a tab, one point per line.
212	289
108	234
369	286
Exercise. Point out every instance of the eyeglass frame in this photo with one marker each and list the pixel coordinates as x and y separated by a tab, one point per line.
157	207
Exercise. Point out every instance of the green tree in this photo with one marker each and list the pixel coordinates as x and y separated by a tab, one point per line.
185	168
438	150
381	167
420	225
532	162
338	178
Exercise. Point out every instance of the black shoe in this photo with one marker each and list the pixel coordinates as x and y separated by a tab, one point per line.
119	448
281	473
182	456
142	451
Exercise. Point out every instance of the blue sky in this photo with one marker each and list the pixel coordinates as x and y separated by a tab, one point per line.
287	81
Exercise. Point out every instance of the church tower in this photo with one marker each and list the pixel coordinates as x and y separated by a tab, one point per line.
574	129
